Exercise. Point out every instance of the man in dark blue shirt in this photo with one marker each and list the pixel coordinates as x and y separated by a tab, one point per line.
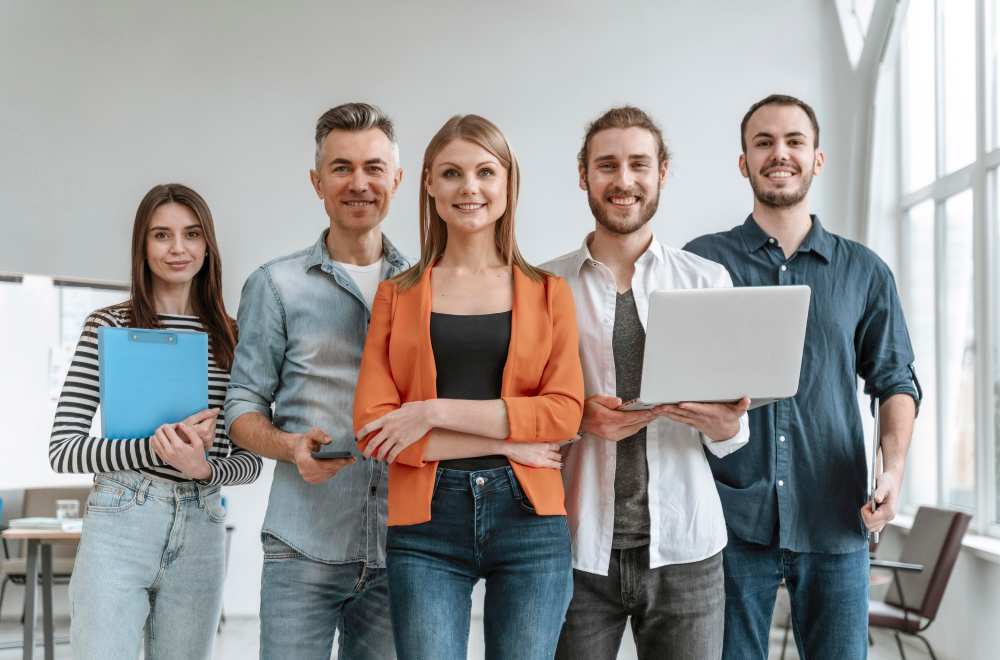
795	498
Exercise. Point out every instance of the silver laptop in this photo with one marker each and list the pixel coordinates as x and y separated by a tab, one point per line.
721	344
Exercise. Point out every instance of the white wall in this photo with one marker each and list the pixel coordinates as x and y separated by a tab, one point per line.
102	100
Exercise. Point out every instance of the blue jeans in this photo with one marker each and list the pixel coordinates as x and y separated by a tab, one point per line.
151	562
482	526
303	602
828	594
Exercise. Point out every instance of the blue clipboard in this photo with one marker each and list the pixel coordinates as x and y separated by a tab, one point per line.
149	378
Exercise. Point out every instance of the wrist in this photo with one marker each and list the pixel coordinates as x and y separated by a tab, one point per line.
291	442
727	434
203	473
897	472
500	447
431	409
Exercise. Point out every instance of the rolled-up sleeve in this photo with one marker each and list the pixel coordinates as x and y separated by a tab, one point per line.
555	412
256	371
882	343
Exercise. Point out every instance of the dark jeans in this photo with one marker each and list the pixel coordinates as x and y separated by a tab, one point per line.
828	594
303	602
482	526
677	610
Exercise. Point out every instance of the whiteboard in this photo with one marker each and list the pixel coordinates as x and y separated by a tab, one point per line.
41	322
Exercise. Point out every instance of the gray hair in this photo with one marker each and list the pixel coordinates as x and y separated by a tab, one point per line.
354	117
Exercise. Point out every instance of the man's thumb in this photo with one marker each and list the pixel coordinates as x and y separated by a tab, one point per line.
612	402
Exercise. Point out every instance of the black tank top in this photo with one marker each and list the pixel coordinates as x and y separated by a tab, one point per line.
470	352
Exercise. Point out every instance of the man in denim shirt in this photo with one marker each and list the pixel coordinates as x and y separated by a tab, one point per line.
303	320
795	497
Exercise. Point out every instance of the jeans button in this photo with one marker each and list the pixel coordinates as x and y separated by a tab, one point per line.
480	481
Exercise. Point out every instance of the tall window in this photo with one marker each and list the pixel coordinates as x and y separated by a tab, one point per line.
949	184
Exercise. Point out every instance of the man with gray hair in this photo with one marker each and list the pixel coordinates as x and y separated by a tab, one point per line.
303	320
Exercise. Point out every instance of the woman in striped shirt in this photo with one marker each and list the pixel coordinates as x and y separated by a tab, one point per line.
151	558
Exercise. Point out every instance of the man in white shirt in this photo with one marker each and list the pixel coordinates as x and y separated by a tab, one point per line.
647	523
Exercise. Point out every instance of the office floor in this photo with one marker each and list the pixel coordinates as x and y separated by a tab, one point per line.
238	641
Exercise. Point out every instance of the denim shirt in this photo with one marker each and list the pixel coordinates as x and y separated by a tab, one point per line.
803	477
303	323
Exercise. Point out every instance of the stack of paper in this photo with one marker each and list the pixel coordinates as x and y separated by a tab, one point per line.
39	522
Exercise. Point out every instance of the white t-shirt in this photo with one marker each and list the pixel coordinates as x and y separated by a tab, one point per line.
366	277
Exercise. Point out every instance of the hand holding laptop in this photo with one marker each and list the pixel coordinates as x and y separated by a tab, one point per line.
603	416
716	421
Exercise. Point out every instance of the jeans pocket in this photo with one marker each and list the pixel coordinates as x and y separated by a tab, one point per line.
519	496
110	497
214	509
276	549
525	504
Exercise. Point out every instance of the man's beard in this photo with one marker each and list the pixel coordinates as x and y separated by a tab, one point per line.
622	226
784	198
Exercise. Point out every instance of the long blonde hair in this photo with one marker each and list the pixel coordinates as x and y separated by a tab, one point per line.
434	231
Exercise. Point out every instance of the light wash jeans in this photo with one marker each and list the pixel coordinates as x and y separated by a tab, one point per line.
151	562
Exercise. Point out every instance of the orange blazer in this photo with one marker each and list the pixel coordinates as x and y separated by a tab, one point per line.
542	384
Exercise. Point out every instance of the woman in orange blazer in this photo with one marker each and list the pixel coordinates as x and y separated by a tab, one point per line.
470	380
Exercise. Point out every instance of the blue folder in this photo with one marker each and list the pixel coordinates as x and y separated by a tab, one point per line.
149	378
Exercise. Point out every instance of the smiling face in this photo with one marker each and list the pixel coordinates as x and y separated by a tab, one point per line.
623	177
780	159
468	185
356	176
175	244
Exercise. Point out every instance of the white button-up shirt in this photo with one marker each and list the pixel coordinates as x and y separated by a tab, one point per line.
685	514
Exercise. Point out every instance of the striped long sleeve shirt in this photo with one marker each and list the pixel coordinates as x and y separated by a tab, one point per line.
73	449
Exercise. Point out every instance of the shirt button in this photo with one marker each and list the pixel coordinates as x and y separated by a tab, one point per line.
480	481
780	482
783	268
781	438
771	241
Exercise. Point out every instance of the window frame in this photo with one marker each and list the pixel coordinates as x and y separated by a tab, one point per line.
982	177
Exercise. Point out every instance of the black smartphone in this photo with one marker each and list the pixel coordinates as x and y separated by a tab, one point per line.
325	454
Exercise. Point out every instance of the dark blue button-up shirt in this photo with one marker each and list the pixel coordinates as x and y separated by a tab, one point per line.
802	479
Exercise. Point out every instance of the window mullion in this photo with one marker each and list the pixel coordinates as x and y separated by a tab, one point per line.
939	251
905	258
982	288
939	345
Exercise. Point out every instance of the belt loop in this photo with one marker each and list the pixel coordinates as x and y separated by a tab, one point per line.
144	485
201	494
514	486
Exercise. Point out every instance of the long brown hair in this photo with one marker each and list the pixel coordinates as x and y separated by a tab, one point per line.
206	290
434	231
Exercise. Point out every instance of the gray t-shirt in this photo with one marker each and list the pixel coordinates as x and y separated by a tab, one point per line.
632	473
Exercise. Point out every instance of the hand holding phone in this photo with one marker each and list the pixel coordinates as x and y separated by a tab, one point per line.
326	455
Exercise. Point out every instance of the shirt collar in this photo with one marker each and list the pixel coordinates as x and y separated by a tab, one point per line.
319	255
818	240
582	256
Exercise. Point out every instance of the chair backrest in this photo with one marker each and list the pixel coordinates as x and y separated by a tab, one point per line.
42	502
934	541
